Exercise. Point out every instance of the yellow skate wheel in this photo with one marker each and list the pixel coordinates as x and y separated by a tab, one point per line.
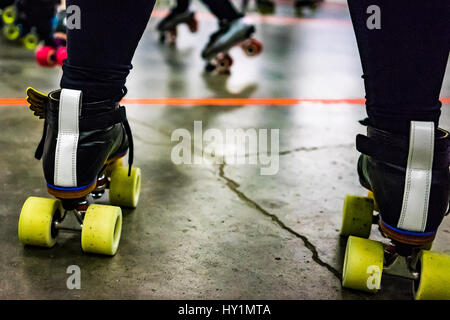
11	32
9	15
357	216
124	190
102	227
30	41
434	281
363	264
36	220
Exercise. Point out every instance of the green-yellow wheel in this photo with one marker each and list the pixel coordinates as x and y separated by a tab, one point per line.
9	15
363	264
11	32
124	190
102	227
434	280
357	216
36	221
30	41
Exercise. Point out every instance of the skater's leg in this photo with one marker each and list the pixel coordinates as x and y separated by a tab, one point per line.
404	61
223	9
100	52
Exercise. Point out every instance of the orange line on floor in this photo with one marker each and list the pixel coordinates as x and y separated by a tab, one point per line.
218	101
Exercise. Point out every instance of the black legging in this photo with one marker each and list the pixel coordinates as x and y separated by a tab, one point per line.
100	53
404	62
222	9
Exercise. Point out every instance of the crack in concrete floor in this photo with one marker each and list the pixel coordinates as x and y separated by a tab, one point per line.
233	186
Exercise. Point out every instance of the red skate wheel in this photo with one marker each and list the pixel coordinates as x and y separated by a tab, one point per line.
252	47
46	56
61	55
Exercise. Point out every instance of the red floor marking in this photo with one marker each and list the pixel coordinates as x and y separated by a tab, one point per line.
218	101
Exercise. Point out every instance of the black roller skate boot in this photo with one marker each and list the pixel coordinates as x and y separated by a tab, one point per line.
408	182
168	26
230	34
81	149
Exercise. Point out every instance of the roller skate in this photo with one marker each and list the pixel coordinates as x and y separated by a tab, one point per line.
168	26
230	34
266	7
81	150
28	22
408	183
54	52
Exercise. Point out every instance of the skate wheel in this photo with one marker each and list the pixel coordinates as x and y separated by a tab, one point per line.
171	36
113	166
224	64
61	55
252	47
11	32
9	15
30	41
266	7
45	56
363	264
102	227
36	221
124	190
357	216
434	280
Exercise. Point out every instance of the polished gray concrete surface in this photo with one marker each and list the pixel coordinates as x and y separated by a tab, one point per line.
210	231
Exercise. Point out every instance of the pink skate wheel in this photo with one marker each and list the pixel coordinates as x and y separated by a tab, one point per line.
61	55
45	56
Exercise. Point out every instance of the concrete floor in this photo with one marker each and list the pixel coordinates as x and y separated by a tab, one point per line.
211	231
